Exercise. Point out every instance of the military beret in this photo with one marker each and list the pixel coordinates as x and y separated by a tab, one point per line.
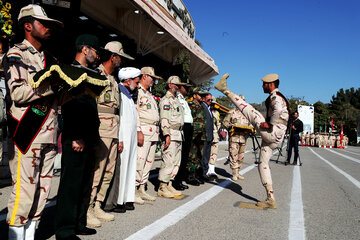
88	40
270	78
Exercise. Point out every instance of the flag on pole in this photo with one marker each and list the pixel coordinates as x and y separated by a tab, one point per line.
332	124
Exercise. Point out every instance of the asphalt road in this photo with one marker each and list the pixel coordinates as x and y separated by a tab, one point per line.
318	200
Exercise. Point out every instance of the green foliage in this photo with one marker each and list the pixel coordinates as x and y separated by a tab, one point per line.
159	89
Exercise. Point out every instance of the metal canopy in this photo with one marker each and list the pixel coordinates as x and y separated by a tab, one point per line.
154	31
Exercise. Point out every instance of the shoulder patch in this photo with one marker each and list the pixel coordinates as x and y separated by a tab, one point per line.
166	107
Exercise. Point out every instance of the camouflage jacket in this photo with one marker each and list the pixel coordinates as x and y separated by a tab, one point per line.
197	111
235	118
171	117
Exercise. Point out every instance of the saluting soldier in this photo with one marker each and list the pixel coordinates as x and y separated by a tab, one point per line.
237	141
271	129
33	113
198	138
149	117
172	121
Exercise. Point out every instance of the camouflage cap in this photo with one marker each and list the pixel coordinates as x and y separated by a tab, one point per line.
151	72
88	40
35	11
175	80
197	90
270	78
117	48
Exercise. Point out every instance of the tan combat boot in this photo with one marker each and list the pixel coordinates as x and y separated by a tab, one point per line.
143	194
269	202
173	190
235	173
163	191
91	219
138	198
101	214
221	84
239	177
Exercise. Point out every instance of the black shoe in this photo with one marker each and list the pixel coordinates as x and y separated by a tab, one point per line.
213	177
120	208
129	206
177	186
85	231
200	180
193	182
71	237
184	186
294	163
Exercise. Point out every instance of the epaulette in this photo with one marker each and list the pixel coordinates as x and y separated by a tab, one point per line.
21	46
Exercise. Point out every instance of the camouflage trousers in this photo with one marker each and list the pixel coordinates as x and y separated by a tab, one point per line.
196	150
145	160
171	158
236	154
31	175
214	153
106	155
312	142
271	138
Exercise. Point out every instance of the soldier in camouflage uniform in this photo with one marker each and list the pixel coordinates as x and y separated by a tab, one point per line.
172	121
312	139
272	129
215	143
149	125
108	107
237	141
31	165
198	138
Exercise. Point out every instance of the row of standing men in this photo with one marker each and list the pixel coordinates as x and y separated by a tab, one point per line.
95	132
323	140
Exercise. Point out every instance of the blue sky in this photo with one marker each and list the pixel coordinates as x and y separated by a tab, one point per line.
314	45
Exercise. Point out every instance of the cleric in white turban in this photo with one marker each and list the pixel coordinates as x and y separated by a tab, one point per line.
129	77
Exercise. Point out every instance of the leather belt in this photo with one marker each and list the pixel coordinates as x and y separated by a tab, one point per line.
147	121
115	111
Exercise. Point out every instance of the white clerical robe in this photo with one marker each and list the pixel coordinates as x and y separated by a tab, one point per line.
128	157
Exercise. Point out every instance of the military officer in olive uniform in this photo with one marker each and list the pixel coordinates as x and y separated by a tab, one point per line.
237	140
271	129
198	137
149	117
172	121
33	113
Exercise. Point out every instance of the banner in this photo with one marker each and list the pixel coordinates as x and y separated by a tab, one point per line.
306	115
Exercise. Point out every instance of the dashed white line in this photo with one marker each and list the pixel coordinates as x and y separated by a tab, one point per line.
179	213
348	157
296	226
350	178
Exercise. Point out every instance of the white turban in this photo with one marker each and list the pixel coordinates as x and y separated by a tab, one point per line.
128	72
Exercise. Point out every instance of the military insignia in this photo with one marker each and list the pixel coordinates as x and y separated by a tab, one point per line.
234	120
39	110
107	97
14	60
166	107
148	106
32	50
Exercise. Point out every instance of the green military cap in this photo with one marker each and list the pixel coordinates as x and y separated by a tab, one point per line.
270	78
197	90
175	80
88	40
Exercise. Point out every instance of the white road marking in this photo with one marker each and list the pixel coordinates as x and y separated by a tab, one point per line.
343	150
179	213
348	157
296	226
350	178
